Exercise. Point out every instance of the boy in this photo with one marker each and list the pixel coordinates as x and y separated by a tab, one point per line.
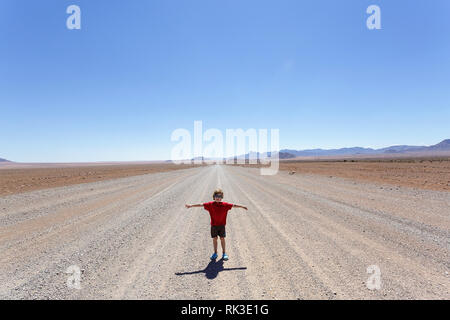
218	211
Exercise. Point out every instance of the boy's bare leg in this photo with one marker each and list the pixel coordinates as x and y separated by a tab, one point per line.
222	242
215	244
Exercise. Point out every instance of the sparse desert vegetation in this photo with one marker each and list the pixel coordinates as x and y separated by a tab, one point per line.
16	180
423	173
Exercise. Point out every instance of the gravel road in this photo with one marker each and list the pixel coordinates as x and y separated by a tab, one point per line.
303	237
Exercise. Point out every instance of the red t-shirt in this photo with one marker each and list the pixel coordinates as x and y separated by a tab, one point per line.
218	212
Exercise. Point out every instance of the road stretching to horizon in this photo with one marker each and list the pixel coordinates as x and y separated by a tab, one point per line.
304	237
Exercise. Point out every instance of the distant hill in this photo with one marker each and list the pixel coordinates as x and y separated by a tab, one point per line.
4	160
400	149
329	152
441	146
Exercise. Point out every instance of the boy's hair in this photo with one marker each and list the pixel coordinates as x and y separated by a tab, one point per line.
218	192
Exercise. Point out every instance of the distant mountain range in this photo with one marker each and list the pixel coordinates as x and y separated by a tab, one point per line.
289	153
401	149
444	145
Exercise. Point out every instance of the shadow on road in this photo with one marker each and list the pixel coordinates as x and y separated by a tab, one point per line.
212	269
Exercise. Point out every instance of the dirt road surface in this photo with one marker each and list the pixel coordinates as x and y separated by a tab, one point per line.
304	237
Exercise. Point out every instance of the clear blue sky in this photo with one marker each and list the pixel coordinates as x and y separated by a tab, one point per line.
137	70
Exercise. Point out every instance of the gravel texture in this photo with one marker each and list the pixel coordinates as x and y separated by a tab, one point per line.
304	237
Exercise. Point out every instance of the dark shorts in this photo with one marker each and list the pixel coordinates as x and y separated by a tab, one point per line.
217	231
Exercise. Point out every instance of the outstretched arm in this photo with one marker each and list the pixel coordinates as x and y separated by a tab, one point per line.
193	205
239	206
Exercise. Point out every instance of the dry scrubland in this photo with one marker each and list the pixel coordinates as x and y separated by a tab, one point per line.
431	174
422	173
16	180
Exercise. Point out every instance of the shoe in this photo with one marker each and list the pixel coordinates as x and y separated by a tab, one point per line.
225	257
214	256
